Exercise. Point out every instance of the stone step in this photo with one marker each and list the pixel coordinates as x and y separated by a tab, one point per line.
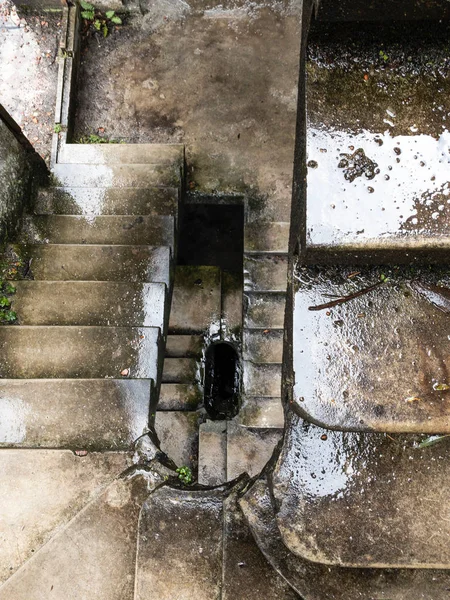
231	314
119	176
180	370
107	303
154	230
353	372
313	581
180	396
97	414
107	201
262	379
212	453
196	300
41	492
356	494
263	346
266	236
261	413
264	310
48	352
265	273
177	432
101	154
184	346
94	555
248	450
82	262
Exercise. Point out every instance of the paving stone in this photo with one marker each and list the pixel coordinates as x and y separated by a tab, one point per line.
180	396
94	556
261	413
263	346
79	352
265	273
246	573
264	310
313	581
180	370
137	176
362	500
152	230
101	154
378	362
249	450
266	236
57	262
178	436
97	414
231	318
262	379
90	303
180	545
40	492
212	453
106	201
184	346
196	304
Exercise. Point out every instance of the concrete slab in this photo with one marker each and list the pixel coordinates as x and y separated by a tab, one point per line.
106	201
261	413
109	303
265	273
180	396
94	556
313	581
101	154
196	304
184	346
178	436
264	310
262	379
154	230
263	346
40	492
212	453
248	450
231	317
56	262
137	176
90	414
266	236
181	370
48	352
362	500
378	362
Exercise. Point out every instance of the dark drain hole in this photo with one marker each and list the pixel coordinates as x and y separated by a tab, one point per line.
222	376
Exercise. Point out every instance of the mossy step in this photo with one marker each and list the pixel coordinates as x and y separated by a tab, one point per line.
184	346
261	413
261	379
264	310
265	272
180	370
263	346
179	396
266	236
99	154
108	303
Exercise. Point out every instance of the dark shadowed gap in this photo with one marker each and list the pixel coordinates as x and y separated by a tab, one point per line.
222	375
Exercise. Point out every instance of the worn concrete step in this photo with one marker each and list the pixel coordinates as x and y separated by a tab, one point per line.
48	352
264	310
177	432
179	396
313	581
265	272
111	303
102	154
266	236
154	230
262	379
120	176
97	414
41	492
212	453
262	413
248	450
263	345
180	370
196	303
83	262
231	313
184	346
94	554
357	494
180	545
107	201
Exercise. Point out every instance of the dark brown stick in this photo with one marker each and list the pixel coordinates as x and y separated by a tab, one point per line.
346	298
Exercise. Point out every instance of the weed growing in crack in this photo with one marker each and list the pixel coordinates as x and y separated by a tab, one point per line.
7	316
98	21
96	139
185	475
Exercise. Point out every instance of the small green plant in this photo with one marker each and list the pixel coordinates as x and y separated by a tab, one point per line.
96	139
384	56
97	19
6	314
185	475
57	128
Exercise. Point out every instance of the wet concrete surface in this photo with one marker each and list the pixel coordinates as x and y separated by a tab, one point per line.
377	136
379	361
362	500
224	82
